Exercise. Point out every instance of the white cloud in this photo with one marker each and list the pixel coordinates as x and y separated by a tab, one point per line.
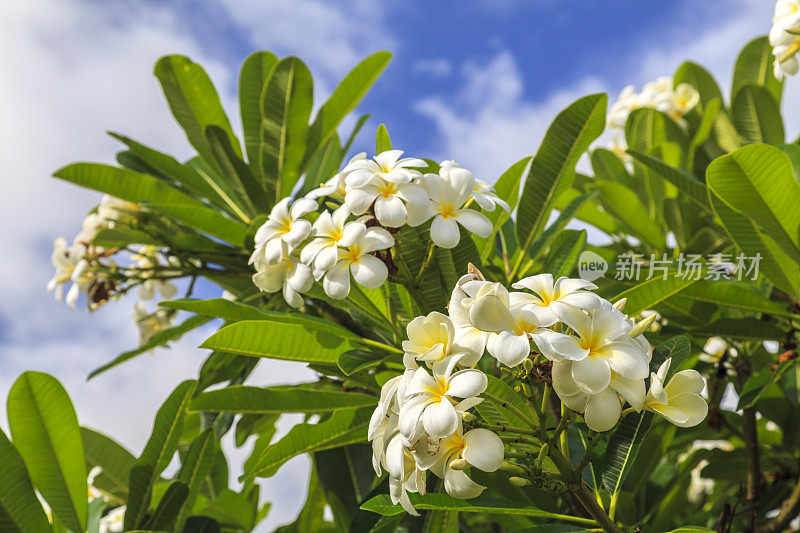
437	67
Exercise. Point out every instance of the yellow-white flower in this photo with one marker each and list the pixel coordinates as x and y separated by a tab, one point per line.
404	474
288	273
431	338
151	322
284	227
549	297
391	199
467	337
678	401
331	232
431	401
335	187
65	259
387	165
447	199
482	192
714	349
356	259
480	448
114	521
784	38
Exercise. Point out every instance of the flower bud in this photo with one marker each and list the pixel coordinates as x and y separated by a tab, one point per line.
519	481
511	467
458	464
619	305
468	417
527	364
642	326
542	454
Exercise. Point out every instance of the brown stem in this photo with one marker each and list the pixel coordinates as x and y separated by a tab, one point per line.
789	510
753	467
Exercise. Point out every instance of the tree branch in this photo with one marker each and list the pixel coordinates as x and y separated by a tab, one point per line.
789	511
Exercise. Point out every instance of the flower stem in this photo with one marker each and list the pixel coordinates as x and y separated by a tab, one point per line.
428	257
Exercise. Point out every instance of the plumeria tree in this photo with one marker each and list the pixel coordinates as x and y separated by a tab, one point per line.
608	345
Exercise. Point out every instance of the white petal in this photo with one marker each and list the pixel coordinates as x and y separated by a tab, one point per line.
563	383
603	411
337	281
302	206
483	449
326	258
541	284
459	485
685	381
408	421
300	278
390	212
440	419
592	374
509	348
445	232
633	390
469	339
475	222
369	271
557	346
467	383
421	383
376	239
692	405
359	200
626	358
490	313
419	213
352	232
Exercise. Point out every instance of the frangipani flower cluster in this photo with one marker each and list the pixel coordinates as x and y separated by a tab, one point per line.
661	95
370	199
785	38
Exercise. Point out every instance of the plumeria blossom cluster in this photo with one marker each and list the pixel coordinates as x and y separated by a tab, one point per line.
600	360
784	37
660	94
342	229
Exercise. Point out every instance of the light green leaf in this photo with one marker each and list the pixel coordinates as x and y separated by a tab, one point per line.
247	188
195	468
733	294
46	433
285	109
740	328
563	255
758	181
507	406
294	338
114	460
648	293
754	65
344	99
147	190
157	453
20	510
553	167
228	310
158	339
686	183
323	165
346	426
757	116
193	101
256	70
245	399
700	79
231	508
624	204
383	142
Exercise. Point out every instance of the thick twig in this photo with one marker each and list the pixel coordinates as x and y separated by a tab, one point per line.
753	466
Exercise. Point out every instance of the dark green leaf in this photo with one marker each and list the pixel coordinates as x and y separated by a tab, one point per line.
20	510
757	116
114	460
245	399
754	65
256	70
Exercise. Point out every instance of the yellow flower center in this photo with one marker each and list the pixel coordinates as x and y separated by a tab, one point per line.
447	211
387	189
353	254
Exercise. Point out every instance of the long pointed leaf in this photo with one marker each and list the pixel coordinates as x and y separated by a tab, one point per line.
245	399
20	510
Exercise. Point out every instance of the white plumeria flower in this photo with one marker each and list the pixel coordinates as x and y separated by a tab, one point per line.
114	521
478	447
147	258
93	492
391	199
331	232
506	315
601	411
626	102
288	274
65	259
284	227
335	187
714	349
431	339
684	98
600	347
404	475
482	192
383	423
430	402
467	337
446	206
387	165
149	323
368	271
678	401
551	296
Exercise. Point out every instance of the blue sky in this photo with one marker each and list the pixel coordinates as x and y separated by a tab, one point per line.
478	81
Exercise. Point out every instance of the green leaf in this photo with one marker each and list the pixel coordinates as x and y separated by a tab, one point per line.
647	294
507	406
228	310
383	142
114	460
754	65
757	116
758	181
740	328
733	294
546	237
507	189
194	101
237	173
294	338
256	70
46	433
704	130
168	507
553	167
563	255
357	360
346	426
195	470
158	452
624	204
686	183
245	399
149	191
285	109
231	508
346	476
20	510
323	165
156	340
344	99
382	504
700	79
